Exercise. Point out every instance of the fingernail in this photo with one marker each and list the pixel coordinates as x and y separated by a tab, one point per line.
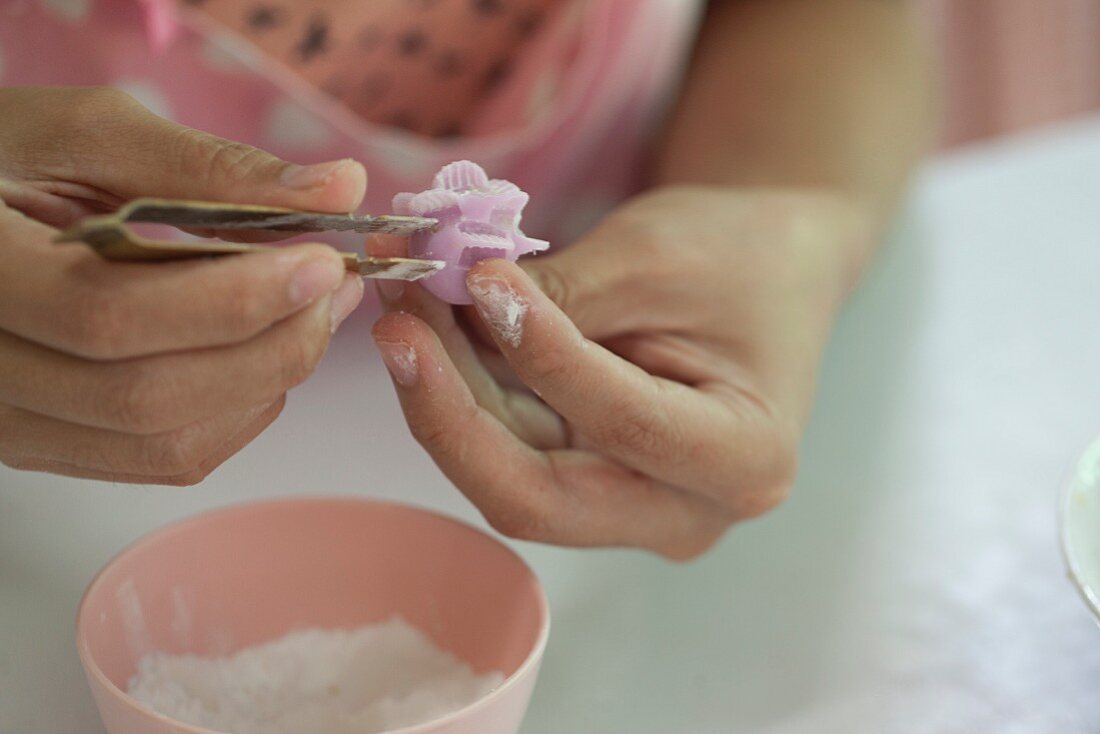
400	360
390	290
313	279
310	177
500	307
345	299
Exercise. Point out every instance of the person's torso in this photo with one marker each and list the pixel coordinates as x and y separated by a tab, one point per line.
565	107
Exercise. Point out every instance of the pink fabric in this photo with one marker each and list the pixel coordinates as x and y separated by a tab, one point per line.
160	23
577	156
421	66
1014	64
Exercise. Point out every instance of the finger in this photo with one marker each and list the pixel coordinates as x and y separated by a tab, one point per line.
158	394
705	437
495	363
605	293
59	206
387	245
479	332
389	291
70	299
522	413
564	497
105	140
32	441
628	273
180	480
391	294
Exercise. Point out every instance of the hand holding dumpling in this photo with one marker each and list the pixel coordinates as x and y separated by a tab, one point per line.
647	386
478	220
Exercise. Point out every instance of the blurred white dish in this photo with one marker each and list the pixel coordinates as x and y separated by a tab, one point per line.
1081	526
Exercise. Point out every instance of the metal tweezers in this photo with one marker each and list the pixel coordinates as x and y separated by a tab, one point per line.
110	236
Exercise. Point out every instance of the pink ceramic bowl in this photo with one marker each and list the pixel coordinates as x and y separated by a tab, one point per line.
247	574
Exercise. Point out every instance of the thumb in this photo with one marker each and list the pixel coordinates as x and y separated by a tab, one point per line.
117	145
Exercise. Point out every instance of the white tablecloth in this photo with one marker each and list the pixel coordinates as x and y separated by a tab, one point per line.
911	584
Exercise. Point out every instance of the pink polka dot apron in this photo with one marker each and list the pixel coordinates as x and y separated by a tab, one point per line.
561	96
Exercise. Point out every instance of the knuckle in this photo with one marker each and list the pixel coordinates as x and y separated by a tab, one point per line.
443	437
632	433
779	467
755	473
134	400
242	312
550	365
516	520
174	453
273	411
640	430
651	244
769	485
555	285
760	501
98	104
695	545
98	326
428	434
186	479
299	356
218	159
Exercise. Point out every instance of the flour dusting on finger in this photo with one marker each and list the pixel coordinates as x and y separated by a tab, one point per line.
501	307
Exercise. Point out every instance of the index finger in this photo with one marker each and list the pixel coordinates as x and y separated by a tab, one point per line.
70	299
567	497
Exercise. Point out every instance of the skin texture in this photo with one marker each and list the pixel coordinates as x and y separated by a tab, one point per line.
648	386
148	373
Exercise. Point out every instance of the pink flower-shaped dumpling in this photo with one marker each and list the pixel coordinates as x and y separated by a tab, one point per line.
478	220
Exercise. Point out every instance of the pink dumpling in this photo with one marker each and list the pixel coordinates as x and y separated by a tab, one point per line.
478	220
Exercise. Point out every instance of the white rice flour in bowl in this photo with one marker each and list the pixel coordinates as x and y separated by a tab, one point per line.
304	616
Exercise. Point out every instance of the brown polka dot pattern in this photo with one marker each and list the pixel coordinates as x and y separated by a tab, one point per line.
420	65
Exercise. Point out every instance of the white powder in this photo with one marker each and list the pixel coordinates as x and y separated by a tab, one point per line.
361	681
501	307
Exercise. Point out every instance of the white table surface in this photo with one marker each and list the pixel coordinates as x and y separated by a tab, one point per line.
911	584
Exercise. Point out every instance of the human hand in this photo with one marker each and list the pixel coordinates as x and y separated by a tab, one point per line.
670	357
149	373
